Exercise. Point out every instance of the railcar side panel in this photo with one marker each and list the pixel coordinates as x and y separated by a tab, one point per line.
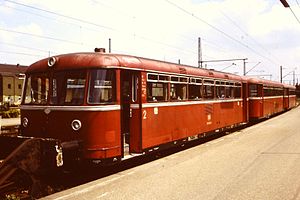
272	105
292	101
163	124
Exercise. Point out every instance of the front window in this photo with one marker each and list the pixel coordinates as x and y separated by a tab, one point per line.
36	89
102	86
68	87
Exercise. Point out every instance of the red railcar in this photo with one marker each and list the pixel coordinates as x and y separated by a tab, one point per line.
290	98
267	98
107	107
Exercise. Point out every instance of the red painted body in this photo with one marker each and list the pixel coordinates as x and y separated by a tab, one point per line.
272	98
181	120
131	118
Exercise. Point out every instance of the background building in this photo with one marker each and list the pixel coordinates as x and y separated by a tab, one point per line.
11	83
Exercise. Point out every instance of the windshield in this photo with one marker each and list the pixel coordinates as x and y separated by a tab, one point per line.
101	88
37	89
65	88
68	87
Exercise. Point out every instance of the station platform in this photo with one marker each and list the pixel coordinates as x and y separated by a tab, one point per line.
258	162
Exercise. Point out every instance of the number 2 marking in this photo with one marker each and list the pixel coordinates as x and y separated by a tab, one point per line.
144	114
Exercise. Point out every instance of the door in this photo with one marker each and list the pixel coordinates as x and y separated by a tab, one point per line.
130	111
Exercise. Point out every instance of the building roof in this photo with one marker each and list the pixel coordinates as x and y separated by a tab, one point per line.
8	69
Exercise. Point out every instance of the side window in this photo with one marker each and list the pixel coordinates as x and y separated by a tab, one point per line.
157	87
267	91
229	90
292	92
253	90
178	89
238	90
220	90
157	91
208	89
195	89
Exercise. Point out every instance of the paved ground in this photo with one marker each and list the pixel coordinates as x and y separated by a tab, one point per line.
259	162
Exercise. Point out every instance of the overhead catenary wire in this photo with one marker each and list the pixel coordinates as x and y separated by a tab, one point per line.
21	53
179	49
219	30
247	35
85	22
61	15
26	47
40	36
294	15
101	26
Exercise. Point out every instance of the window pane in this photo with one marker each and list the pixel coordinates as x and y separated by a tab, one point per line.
75	91
195	92
178	92
68	87
253	91
208	92
229	92
220	92
102	86
157	91
36	89
237	92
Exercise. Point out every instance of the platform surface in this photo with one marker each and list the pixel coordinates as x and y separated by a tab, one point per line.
259	162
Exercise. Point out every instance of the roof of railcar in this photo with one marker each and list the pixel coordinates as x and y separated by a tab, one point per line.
89	60
289	86
269	83
94	60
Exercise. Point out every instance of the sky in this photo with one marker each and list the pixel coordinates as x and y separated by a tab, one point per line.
263	32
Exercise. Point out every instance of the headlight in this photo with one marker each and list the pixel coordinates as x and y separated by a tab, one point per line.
25	122
76	124
51	61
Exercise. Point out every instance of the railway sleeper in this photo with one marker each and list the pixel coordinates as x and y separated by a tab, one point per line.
34	156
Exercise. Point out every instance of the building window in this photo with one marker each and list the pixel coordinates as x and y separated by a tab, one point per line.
9	86
19	86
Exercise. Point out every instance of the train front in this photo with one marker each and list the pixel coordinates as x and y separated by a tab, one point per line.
72	98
